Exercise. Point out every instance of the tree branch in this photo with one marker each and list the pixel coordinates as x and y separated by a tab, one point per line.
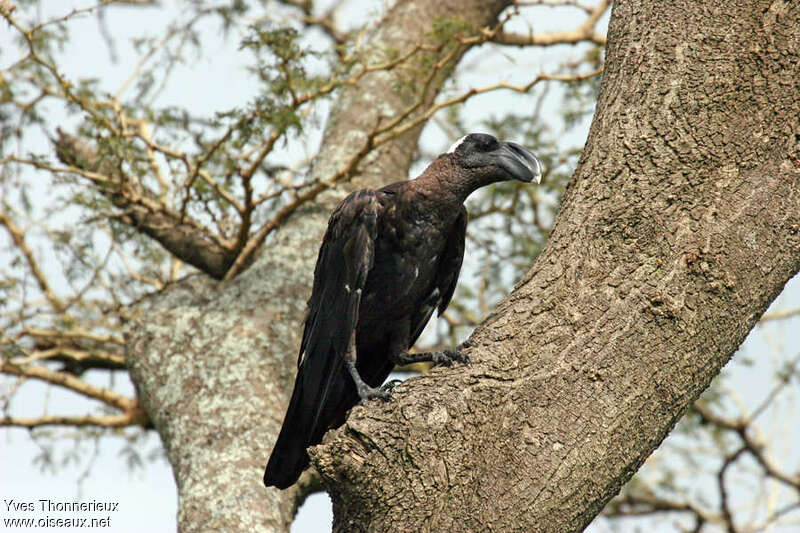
780	315
72	383
18	237
179	235
636	503
583	33
749	444
107	421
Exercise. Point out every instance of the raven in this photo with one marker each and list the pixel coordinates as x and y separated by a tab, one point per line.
389	258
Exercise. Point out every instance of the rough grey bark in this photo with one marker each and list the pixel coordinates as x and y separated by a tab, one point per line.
678	229
214	365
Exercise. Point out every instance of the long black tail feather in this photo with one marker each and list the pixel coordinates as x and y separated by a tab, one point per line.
320	401
315	406
289	457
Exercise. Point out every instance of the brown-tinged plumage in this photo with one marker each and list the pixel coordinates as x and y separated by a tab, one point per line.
389	258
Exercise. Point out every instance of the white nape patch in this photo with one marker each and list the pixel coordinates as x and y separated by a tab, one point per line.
455	145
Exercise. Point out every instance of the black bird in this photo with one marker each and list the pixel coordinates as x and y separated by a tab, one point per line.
389	258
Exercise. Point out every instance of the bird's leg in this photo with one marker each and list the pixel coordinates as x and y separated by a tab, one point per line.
444	357
365	392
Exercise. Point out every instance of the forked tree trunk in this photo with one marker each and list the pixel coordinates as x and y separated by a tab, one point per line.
680	226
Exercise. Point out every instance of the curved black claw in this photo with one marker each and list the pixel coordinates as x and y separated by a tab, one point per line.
391	384
384	392
448	357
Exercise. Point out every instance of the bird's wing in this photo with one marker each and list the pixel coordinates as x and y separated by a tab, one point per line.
344	261
446	277
450	264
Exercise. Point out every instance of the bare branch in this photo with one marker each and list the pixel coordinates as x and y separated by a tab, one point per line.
583	33
750	444
554	3
18	236
69	381
324	22
133	418
780	315
109	359
309	483
480	90
73	334
639	502
723	491
181	236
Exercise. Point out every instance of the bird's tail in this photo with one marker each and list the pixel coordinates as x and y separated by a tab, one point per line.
289	457
310	413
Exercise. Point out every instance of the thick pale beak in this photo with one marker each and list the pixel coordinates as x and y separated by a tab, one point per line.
519	162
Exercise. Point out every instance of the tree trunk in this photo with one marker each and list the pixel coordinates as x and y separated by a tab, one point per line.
678	229
214	365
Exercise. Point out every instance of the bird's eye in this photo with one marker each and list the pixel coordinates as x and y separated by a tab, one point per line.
487	143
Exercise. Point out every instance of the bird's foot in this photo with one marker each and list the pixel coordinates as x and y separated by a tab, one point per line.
445	357
384	392
448	357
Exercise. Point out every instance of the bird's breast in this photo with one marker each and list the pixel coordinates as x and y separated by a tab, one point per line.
403	275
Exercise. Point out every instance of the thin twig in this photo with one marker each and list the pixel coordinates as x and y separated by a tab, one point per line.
18	237
584	32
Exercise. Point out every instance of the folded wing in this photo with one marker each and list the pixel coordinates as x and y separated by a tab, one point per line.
344	261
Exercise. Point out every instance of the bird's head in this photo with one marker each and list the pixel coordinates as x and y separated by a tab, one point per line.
505	160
